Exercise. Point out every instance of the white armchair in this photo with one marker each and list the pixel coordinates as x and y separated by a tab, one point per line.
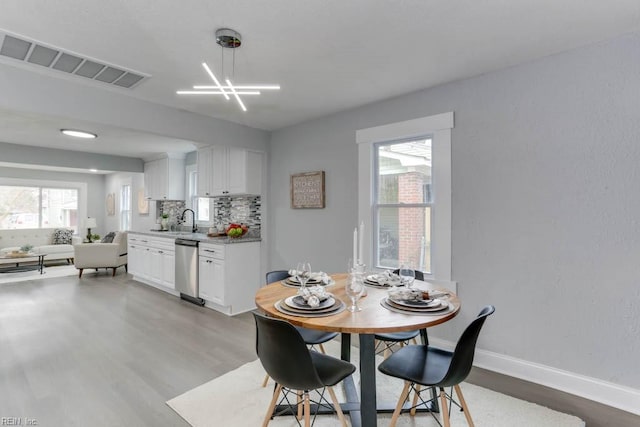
102	255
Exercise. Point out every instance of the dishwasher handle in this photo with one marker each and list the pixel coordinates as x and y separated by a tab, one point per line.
186	242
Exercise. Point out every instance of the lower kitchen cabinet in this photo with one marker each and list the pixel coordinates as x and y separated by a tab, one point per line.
229	276
211	279
152	260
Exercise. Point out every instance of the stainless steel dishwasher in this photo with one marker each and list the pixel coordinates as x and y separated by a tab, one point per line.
186	274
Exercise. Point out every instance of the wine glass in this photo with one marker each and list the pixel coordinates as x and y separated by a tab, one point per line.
407	275
303	272
354	287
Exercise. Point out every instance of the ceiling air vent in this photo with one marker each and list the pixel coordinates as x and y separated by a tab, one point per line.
36	53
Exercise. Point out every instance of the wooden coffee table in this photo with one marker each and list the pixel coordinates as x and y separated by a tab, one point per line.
11	263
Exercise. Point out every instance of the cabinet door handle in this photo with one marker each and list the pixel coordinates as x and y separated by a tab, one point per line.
147	248
209	261
160	252
144	241
209	250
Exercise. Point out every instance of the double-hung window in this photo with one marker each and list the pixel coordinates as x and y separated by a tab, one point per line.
200	205
404	194
125	207
402	207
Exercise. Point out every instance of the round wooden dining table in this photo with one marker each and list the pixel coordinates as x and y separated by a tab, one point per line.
372	319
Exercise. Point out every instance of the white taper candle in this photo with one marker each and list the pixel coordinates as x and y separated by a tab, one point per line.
355	246
360	244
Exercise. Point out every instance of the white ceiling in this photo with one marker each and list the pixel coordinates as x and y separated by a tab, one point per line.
327	55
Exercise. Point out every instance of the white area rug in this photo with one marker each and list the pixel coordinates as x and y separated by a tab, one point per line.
238	399
49	272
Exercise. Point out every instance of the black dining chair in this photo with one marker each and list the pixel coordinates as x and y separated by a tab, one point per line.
296	369
311	337
385	342
430	366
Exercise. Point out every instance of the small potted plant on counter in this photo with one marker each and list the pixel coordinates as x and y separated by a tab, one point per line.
164	221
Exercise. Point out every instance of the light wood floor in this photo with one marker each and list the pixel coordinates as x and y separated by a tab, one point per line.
105	351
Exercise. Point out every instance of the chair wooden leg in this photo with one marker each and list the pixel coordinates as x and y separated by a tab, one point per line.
403	397
321	347
80	273
307	410
336	405
415	400
300	404
463	403
444	410
386	353
272	405
266	380
413	340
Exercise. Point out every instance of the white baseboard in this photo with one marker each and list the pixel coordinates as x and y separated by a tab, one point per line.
607	393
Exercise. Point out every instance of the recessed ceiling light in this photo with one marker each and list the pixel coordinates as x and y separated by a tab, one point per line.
78	133
93	170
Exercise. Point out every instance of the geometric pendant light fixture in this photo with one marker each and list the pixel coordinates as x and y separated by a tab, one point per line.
227	39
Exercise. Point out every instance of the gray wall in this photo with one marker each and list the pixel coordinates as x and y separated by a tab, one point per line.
545	203
113	184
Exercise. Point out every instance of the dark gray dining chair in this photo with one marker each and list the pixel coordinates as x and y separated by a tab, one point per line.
296	369
430	366
385	342
311	337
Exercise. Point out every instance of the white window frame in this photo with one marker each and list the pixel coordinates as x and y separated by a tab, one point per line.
439	127
189	169
80	186
129	212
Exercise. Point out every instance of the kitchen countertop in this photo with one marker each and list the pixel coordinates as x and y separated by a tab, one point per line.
201	237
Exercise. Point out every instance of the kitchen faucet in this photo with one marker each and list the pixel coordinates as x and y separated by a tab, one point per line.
194	227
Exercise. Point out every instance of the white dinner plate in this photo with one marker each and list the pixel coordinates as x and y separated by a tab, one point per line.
441	306
406	310
298	302
421	303
338	307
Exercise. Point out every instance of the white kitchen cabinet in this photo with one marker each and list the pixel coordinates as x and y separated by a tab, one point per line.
224	171
164	179
211	279
152	260
229	276
204	168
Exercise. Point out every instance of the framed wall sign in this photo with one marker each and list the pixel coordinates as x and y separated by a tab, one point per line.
307	190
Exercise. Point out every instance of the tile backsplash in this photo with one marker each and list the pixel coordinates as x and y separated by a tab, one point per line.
227	209
242	209
172	207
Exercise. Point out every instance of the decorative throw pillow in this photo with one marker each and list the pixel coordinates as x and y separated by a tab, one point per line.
109	237
62	236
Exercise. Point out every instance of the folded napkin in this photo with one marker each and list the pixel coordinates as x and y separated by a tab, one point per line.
405	294
314	295
387	278
320	276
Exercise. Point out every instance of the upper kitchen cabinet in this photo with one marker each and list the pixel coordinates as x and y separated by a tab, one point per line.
224	171
164	179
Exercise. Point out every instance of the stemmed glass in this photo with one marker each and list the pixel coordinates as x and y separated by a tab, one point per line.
407	275
303	272
354	289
